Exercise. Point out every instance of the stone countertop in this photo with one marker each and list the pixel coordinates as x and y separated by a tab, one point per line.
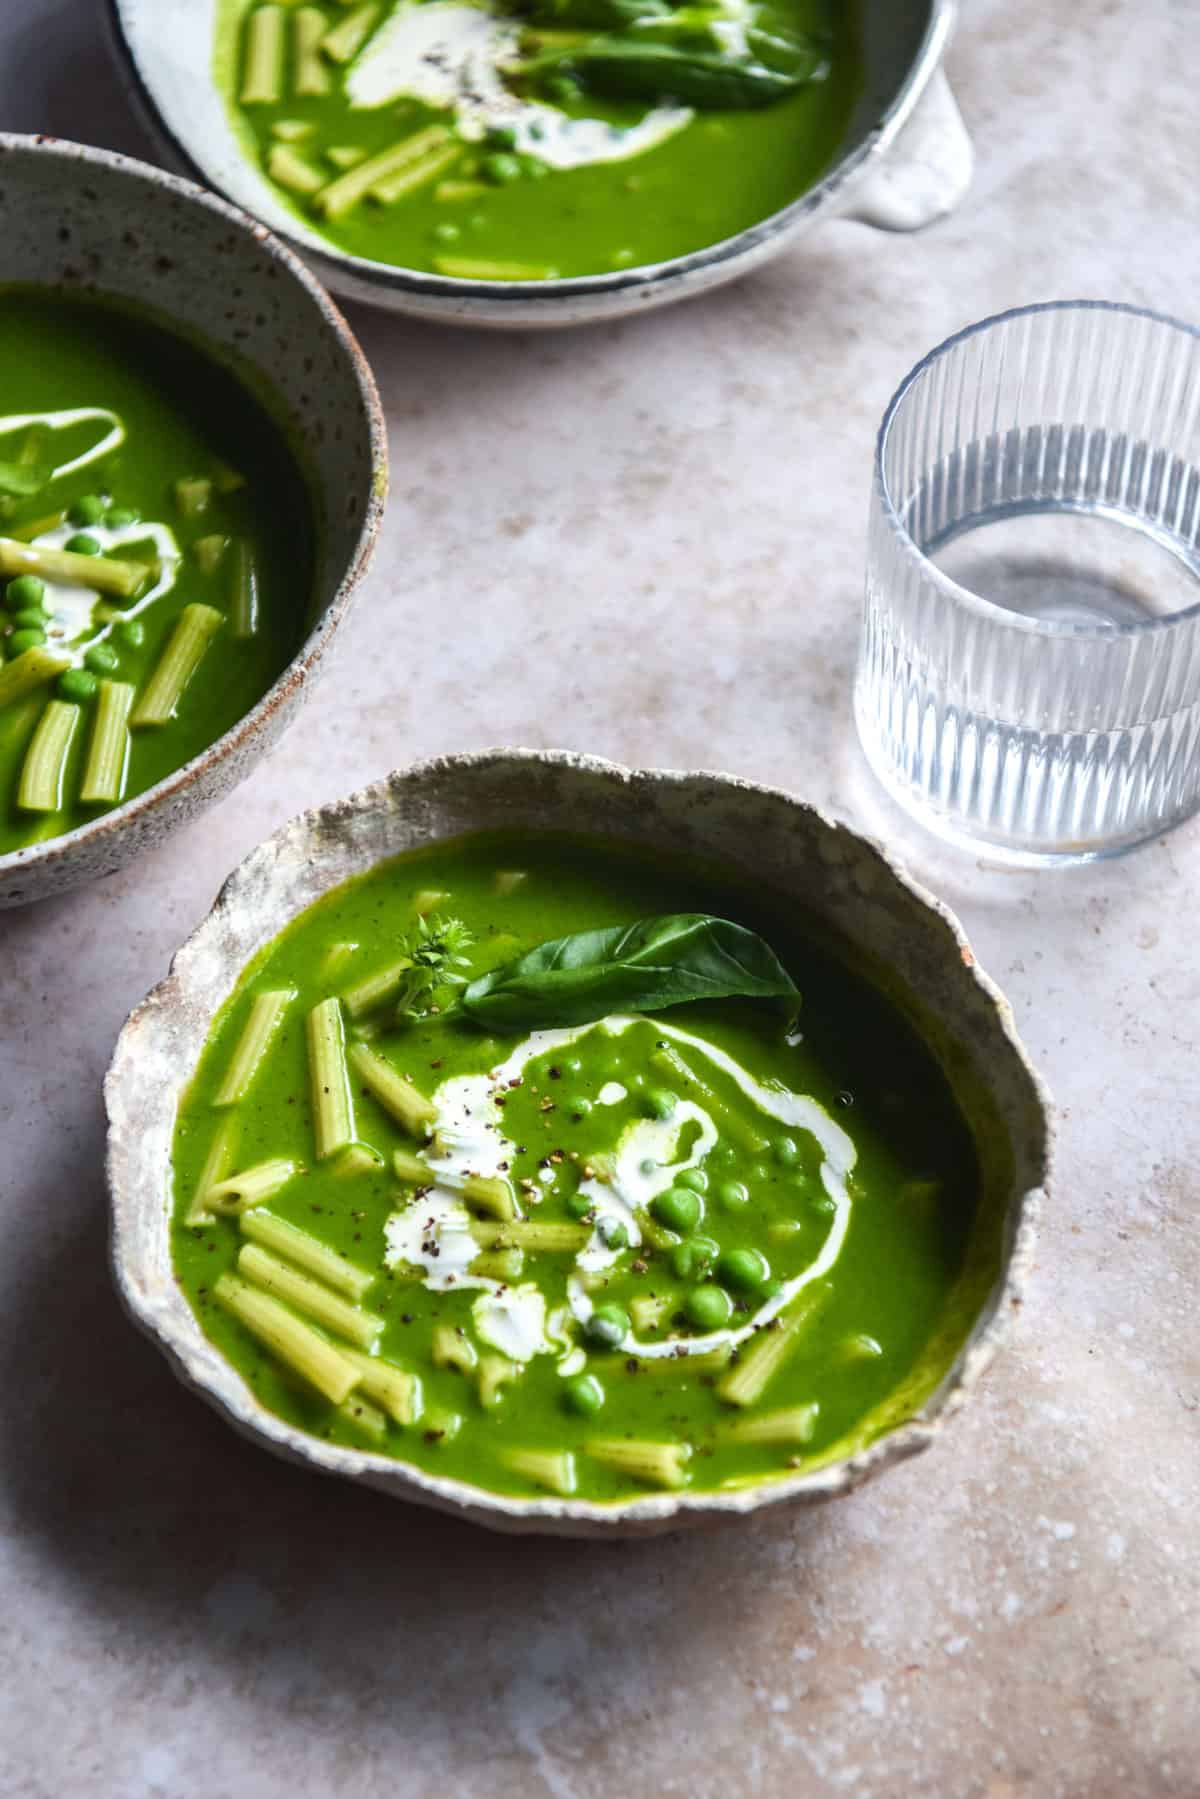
646	540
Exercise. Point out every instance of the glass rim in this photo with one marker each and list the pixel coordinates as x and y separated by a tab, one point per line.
928	570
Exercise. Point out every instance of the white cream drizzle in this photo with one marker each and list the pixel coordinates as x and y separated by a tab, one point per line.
433	1231
70	608
61	421
449	53
70	624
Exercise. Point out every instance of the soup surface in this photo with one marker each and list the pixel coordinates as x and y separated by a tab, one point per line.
540	138
690	1248
155	558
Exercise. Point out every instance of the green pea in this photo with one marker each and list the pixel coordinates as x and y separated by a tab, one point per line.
535	168
76	685
583	1394
23	591
119	518
724	1153
20	641
787	1151
87	510
477	221
678	1208
131	631
501	137
445	233
578	1105
502	168
659	1102
695	1178
578	1205
561	88
83	544
693	1259
31	619
608	1325
708	1308
734	1196
102	659
613	1233
743	1269
823	1204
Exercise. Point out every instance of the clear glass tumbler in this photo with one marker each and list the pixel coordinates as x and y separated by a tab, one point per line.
1029	674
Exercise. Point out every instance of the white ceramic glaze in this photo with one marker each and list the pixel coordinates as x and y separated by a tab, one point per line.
903	163
764	837
88	221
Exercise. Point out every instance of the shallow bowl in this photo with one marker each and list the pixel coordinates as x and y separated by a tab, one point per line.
905	160
87	221
766	838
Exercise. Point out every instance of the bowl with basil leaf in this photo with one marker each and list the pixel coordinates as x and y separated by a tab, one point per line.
551	161
577	1149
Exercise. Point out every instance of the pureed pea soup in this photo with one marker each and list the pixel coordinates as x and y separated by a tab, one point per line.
530	139
447	1190
156	554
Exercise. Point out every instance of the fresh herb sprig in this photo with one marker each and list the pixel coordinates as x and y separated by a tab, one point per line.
436	949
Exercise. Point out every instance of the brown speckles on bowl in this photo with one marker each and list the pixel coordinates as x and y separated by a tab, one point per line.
769	839
75	216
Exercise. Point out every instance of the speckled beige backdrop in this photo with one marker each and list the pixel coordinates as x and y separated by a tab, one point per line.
646	541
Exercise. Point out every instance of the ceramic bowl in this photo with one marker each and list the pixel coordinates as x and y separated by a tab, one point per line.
87	221
905	160
762	837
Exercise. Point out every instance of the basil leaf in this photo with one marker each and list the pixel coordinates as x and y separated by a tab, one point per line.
629	968
24	478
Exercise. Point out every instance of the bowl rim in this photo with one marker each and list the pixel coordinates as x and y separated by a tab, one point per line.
558	1515
300	668
752	242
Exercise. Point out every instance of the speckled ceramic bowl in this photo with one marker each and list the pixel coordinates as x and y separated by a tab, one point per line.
913	945
90	222
905	160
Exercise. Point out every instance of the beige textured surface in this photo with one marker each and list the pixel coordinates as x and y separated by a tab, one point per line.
646	541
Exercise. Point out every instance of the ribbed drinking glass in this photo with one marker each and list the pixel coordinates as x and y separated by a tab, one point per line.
1029	673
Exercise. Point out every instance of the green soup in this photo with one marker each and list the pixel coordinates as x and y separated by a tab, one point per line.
696	1249
156	556
540	138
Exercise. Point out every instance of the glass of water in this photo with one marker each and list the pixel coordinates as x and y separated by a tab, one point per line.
1029	674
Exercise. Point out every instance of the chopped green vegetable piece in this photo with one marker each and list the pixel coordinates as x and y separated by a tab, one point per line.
294	1342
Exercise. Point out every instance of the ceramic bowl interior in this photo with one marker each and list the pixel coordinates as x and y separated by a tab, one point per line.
768	839
88	222
167	47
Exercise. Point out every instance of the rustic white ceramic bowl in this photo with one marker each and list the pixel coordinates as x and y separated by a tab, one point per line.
87	221
766	838
905	160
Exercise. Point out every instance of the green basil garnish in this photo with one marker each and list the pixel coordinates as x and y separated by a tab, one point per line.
641	967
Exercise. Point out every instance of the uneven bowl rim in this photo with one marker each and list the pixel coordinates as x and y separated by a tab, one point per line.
572	1516
394	279
303	665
